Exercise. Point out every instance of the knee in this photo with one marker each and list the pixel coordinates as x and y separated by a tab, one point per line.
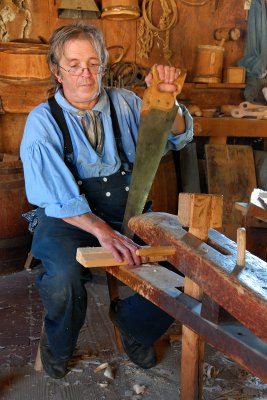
63	281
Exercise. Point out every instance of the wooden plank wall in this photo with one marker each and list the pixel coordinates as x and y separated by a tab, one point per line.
195	26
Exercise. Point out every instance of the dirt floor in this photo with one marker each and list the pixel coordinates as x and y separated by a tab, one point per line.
98	371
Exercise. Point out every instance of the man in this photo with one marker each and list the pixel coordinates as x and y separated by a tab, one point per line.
80	187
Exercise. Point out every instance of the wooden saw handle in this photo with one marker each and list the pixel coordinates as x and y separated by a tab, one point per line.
155	99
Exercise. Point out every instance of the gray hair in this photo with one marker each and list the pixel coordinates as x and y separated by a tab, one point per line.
64	34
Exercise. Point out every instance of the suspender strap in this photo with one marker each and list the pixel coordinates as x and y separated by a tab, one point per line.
117	132
57	113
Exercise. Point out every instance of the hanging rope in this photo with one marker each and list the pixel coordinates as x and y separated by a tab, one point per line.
195	3
147	31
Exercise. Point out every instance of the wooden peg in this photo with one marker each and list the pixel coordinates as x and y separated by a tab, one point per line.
241	247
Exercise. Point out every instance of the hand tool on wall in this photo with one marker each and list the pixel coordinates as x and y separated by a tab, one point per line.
157	115
226	34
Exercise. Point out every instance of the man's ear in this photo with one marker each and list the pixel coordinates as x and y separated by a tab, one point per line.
56	73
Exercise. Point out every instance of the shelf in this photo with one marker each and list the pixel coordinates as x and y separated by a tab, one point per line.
215	85
218	129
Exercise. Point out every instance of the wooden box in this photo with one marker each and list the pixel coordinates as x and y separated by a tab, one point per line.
234	75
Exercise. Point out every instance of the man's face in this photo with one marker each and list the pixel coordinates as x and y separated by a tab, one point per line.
81	91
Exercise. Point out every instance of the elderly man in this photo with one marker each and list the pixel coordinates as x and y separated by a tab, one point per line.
77	151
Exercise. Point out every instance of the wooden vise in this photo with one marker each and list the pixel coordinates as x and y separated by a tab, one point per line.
223	301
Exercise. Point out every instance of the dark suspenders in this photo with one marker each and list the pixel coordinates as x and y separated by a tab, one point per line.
58	115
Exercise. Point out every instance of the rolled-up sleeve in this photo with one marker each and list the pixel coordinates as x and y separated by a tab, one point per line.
177	142
48	181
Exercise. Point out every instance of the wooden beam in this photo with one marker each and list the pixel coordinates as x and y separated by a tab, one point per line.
161	286
212	265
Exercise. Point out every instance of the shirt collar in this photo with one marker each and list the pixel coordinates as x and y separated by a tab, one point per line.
103	104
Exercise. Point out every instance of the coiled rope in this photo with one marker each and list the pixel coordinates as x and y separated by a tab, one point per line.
147	31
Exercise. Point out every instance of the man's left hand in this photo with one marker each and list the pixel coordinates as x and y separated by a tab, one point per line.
167	75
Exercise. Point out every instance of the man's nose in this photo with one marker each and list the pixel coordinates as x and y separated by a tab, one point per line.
86	71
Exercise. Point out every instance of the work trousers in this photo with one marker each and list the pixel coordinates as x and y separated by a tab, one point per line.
62	290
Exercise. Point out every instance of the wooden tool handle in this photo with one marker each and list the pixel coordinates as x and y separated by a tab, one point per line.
155	251
153	98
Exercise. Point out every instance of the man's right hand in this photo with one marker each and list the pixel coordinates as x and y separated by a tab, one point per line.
121	247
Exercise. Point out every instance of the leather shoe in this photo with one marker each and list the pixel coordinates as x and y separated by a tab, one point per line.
54	368
138	353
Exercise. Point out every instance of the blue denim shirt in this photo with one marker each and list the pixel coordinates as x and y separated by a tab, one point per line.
48	181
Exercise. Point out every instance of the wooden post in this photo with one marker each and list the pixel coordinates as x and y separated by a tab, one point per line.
198	212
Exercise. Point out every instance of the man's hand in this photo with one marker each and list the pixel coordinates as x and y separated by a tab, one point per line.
121	247
167	75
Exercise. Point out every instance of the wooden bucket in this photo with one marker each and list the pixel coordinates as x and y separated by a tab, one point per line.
209	64
14	235
120	9
23	60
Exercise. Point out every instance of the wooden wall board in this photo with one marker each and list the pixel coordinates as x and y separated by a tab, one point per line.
196	26
164	191
121	34
230	172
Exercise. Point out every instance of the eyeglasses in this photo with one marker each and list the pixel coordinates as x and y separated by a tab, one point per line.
78	70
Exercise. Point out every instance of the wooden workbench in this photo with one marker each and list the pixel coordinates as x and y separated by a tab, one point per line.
230	309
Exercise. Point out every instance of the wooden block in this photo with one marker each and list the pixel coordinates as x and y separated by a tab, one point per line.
234	75
92	257
200	211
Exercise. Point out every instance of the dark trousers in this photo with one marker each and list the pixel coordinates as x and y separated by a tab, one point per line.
62	290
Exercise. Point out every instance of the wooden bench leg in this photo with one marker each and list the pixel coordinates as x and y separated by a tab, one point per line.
192	360
113	289
198	212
